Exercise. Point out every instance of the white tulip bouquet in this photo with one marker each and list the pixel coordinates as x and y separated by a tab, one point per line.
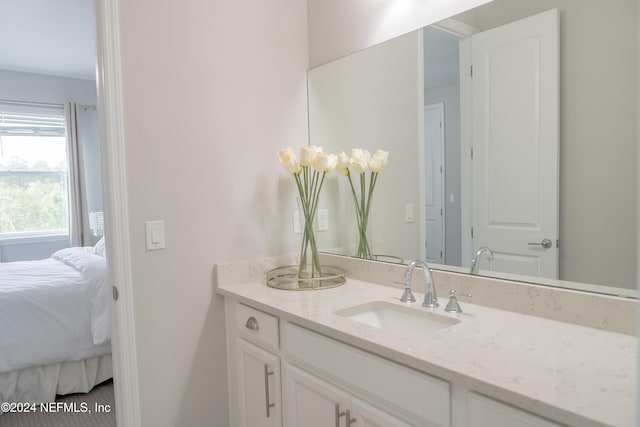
359	162
309	173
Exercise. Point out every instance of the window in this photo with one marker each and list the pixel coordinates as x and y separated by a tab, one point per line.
33	171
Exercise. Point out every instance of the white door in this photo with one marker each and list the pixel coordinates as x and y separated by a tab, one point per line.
259	386
434	181
312	402
515	144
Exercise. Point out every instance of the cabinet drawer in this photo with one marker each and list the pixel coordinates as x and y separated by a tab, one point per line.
488	412
419	397
258	327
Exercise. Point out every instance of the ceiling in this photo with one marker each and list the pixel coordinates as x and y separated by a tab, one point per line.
48	37
58	38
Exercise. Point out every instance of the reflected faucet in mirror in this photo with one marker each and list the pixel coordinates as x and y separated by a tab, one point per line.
430	297
475	261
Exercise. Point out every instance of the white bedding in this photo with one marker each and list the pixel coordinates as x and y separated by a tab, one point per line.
54	310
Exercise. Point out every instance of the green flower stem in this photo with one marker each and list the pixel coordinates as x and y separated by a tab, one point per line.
303	247
309	189
372	184
362	206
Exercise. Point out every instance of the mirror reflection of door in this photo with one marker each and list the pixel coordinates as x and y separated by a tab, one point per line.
434	182
515	136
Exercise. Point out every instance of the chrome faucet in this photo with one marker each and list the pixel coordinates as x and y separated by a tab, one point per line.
430	297
475	262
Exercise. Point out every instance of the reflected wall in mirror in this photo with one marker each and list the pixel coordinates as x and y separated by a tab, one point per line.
394	96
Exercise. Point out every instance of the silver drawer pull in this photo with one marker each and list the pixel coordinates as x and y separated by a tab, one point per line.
545	243
252	324
267	373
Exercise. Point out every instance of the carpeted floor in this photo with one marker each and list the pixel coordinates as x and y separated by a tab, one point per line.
93	409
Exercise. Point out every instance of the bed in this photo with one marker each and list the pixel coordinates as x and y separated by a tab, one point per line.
55	334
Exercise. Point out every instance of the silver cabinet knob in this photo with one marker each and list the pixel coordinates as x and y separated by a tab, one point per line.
545	243
252	324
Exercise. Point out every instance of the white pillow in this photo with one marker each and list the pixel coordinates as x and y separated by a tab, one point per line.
98	249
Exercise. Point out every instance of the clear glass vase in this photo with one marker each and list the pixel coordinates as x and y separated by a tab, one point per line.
309	266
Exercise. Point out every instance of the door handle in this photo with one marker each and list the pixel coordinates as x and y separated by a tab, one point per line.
545	243
269	405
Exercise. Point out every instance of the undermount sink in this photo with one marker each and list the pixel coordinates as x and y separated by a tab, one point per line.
400	320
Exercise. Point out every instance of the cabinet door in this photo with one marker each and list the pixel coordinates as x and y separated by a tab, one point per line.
416	396
488	412
259	394
311	402
367	415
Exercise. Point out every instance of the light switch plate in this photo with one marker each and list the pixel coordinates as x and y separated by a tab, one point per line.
408	213
154	231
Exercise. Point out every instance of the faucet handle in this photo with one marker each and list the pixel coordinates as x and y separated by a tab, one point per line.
452	305
407	296
454	293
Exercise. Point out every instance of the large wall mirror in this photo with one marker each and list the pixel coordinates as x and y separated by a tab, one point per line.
417	97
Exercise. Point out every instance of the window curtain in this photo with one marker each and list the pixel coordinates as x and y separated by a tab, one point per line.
78	216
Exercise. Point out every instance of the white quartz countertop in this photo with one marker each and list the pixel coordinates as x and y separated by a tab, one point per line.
571	374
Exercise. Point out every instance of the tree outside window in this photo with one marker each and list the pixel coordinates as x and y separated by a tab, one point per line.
33	177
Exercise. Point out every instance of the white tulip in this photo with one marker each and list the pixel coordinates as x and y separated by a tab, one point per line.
325	162
288	160
343	164
378	160
359	159
308	153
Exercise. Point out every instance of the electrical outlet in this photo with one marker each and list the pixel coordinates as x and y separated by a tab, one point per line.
297	222
323	219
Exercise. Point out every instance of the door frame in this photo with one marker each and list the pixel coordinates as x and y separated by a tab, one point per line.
466	152
114	187
464	33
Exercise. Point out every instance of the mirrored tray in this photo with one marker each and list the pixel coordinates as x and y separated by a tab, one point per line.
286	278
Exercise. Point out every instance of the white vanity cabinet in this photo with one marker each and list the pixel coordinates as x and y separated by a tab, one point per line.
313	402
284	375
254	367
343	386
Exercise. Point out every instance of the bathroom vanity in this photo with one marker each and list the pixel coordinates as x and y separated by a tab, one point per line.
356	356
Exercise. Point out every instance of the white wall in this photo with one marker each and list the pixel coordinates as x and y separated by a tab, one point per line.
28	87
17	86
232	78
351	102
